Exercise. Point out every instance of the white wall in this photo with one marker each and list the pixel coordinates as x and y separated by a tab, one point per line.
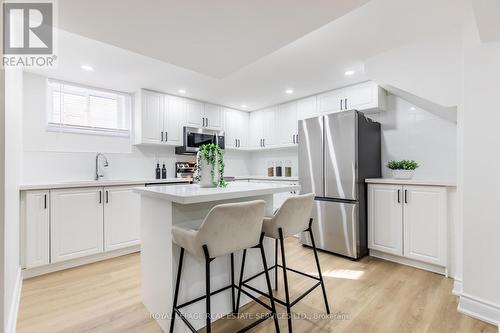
51	156
481	177
409	132
13	162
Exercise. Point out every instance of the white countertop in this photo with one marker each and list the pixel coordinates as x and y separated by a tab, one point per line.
101	182
430	182
193	193
293	179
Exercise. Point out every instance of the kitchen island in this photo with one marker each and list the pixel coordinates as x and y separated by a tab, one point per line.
187	205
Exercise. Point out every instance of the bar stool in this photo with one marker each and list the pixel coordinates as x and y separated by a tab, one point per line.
226	229
291	218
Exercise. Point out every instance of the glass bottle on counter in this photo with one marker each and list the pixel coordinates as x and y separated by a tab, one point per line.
279	169
288	168
270	168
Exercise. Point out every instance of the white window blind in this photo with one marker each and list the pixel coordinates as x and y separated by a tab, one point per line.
76	108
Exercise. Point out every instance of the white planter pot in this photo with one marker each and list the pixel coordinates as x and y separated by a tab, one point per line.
206	175
402	174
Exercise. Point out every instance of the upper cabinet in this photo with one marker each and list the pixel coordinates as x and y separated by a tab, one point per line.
204	115
288	123
307	108
366	97
236	128
158	118
264	130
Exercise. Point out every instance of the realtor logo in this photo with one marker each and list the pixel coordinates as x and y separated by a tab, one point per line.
28	30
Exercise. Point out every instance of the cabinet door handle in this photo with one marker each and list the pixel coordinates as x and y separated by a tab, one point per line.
263	142
345	103
107	197
45	201
399	196
297	140
341	104
206	121
166	136
239	144
161	136
293	136
100	197
406	196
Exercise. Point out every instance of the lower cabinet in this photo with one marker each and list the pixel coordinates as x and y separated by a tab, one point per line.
64	224
408	221
121	218
35	228
76	223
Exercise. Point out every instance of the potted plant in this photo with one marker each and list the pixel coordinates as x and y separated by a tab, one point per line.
403	169
209	170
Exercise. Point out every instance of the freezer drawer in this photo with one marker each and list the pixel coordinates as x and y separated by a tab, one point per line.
335	227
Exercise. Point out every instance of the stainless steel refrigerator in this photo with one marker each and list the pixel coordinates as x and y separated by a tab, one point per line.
336	153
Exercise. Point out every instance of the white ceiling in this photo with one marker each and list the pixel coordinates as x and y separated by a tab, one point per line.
310	64
215	37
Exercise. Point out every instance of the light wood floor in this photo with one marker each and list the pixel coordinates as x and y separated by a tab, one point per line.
371	295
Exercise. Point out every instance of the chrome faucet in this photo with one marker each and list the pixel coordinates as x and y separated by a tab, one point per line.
97	175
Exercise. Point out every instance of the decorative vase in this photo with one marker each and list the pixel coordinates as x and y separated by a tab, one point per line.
402	174
206	174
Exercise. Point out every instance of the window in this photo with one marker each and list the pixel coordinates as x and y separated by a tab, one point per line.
76	108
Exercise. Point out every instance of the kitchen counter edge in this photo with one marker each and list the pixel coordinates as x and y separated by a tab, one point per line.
445	183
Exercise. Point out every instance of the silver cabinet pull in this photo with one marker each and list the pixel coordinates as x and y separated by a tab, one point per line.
107	197
293	136
399	196
345	104
166	136
100	197
45	201
162	136
341	104
406	196
206	121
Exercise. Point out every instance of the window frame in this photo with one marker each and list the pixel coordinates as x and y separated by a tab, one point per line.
90	130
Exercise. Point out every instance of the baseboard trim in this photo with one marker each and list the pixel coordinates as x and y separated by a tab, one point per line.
36	271
409	262
14	308
457	287
479	309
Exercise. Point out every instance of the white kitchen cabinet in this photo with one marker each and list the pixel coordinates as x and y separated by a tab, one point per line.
287	114
408	221
385	215
159	118
366	97
214	116
425	223
76	223
331	101
121	217
266	125
204	115
149	117
256	131
236	128
306	108
35	207
173	119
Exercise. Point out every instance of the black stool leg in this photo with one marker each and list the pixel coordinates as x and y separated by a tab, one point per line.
176	293
207	285
285	278
269	288
237	309
233	304
276	264
319	268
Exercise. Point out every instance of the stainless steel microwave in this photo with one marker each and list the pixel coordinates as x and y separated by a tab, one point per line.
194	137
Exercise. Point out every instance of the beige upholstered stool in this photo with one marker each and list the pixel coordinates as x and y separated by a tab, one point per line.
293	217
227	228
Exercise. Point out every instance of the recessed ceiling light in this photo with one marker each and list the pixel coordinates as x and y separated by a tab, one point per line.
243	106
181	91
289	91
412	108
349	73
87	68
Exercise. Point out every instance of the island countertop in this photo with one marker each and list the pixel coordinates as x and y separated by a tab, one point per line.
193	193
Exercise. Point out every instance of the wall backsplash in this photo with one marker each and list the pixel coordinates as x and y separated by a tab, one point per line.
259	160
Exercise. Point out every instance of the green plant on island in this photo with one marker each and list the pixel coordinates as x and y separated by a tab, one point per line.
214	156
